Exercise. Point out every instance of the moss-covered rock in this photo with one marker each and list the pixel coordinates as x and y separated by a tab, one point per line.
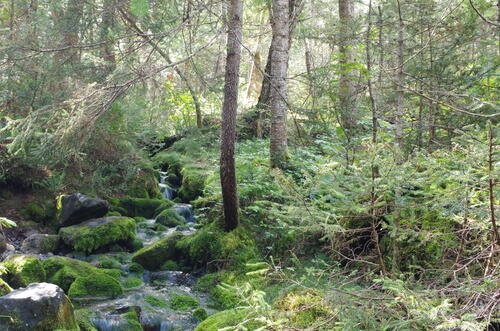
144	184
63	271
98	285
193	183
99	233
136	268
166	204
170	218
40	243
155	301
38	307
170	266
84	319
152	257
133	207
131	322
132	282
231	318
183	302
200	314
212	244
23	270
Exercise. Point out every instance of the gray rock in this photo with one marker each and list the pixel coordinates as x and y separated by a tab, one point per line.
77	208
38	307
40	243
3	244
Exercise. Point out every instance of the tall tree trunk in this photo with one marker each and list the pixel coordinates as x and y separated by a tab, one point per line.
347	85
396	250
264	101
279	69
107	51
229	111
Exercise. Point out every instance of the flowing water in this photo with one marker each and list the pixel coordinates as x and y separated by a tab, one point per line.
155	315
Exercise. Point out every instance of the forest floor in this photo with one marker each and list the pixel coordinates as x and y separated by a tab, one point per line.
12	202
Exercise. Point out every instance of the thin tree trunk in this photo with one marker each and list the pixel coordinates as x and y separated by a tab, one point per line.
309	69
278	90
347	85
229	111
375	219
396	251
254	73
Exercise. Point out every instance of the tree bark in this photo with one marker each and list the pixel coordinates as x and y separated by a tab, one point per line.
278	90
229	111
347	85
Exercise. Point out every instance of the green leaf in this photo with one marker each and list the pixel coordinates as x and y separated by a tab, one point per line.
7	223
139	7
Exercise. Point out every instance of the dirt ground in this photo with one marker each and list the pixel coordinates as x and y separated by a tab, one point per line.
12	202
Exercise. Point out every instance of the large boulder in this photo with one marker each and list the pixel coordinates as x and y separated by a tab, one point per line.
152	257
23	270
63	271
77	208
38	307
99	233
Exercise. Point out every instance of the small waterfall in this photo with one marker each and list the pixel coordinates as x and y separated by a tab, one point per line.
117	323
186	211
166	190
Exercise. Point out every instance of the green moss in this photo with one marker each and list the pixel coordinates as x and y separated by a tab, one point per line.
193	183
97	285
231	318
200	314
84	319
144	184
152	257
108	263
136	245
170	266
63	271
23	270
165	205
98	233
304	307
132	282
136	268
170	218
34	211
172	161
155	301
183	302
133	207
235	248
132	322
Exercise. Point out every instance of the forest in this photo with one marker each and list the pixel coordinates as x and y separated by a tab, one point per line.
340	161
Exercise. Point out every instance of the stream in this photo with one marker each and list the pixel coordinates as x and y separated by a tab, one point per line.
161	285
